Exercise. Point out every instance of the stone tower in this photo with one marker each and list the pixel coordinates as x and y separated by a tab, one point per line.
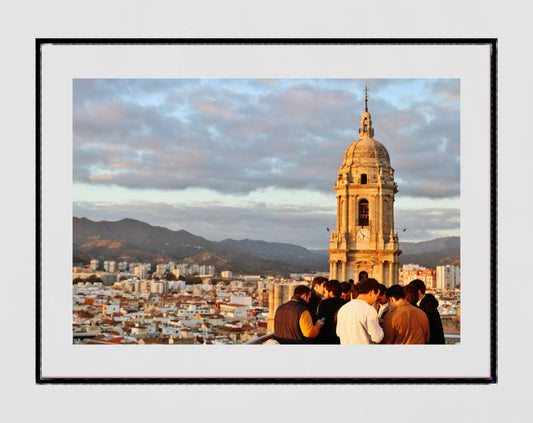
364	242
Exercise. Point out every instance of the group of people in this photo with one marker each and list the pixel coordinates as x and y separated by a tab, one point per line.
367	312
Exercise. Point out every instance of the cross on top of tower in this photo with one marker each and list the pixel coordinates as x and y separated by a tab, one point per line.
366	121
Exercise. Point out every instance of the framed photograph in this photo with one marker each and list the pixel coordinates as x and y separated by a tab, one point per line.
242	139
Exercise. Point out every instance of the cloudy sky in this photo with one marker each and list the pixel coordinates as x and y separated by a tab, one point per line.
257	159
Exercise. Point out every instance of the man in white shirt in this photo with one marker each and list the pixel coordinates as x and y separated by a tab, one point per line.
357	320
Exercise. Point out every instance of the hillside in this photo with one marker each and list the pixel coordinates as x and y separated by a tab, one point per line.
437	252
132	240
438	244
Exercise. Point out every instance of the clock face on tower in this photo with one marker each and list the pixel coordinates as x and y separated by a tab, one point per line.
363	235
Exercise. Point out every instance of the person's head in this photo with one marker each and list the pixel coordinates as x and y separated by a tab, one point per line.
346	289
354	292
411	294
420	286
368	290
333	288
319	285
395	293
382	298
362	276
303	292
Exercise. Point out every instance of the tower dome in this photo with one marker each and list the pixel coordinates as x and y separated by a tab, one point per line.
366	156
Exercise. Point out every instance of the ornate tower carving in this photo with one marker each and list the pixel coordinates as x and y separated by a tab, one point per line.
364	242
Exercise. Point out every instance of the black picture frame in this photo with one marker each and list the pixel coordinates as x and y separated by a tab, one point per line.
40	43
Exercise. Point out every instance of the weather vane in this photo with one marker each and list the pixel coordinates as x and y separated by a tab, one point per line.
366	98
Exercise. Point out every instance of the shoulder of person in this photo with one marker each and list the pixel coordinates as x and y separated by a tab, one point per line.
429	299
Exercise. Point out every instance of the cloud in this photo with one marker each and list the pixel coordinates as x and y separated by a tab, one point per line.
230	143
242	136
424	224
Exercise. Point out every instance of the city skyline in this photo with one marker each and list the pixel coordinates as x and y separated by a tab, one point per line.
251	158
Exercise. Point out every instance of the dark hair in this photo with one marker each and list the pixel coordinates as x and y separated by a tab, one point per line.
382	289
419	284
354	290
334	286
345	287
411	293
367	285
301	290
318	280
395	291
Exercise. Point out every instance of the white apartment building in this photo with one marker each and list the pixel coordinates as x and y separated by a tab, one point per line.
448	277
94	265
160	269
234	310
226	274
252	278
142	286
141	271
172	331
159	287
110	266
240	299
111	308
207	269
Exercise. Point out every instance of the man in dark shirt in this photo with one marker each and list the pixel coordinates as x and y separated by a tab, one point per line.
318	290
327	309
428	303
293	323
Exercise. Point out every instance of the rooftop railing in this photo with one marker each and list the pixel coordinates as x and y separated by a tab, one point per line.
448	339
261	339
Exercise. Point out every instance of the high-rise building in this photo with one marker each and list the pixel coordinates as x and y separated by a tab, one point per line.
109	265
160	269
364	243
448	277
159	287
94	265
141	271
207	269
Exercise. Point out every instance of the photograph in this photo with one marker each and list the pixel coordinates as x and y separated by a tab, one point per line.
198	201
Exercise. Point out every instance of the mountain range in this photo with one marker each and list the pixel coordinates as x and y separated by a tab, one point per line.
131	240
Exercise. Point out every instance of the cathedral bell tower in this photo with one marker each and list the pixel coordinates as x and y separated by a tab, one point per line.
364	243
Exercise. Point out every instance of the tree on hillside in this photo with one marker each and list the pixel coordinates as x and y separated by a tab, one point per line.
193	279
94	278
170	276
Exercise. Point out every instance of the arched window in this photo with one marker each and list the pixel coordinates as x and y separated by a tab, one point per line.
363	179
363	213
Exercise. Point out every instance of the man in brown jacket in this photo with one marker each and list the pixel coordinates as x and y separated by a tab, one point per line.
404	323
